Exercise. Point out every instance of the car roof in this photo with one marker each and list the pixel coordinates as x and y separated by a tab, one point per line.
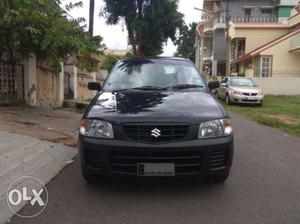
155	58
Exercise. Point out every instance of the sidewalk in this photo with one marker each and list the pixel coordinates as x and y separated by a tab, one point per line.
27	156
58	126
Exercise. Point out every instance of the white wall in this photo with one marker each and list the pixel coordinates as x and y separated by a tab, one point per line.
279	85
30	86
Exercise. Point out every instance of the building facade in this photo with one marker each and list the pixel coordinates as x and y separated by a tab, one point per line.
266	50
211	45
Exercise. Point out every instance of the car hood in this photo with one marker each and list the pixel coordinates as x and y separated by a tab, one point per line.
246	89
155	106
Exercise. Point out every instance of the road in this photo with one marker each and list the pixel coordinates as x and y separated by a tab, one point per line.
264	188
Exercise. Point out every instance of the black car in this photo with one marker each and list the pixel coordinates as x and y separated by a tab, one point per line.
155	117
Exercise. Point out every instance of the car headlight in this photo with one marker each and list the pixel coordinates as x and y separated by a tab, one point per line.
237	92
96	129
215	128
260	92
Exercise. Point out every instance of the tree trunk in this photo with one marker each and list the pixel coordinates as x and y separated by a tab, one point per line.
131	38
91	17
139	34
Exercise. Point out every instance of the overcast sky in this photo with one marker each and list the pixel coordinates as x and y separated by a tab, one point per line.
116	38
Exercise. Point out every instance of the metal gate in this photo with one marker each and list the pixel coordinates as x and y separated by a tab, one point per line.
11	83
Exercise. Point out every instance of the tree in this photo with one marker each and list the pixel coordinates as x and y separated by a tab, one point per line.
91	17
186	42
150	23
110	60
42	27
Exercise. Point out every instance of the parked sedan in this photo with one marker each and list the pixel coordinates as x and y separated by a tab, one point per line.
240	90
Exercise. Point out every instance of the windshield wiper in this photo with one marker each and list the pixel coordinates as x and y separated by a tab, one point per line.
184	86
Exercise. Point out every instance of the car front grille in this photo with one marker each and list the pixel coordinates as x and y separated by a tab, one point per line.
155	133
218	159
186	163
250	94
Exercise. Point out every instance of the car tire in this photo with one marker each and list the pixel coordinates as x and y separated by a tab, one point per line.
227	99
87	176
220	178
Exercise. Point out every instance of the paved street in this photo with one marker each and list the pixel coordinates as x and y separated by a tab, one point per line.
264	188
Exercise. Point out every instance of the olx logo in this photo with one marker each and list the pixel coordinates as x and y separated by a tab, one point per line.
28	190
24	196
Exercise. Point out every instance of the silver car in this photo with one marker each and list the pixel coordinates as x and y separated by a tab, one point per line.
240	90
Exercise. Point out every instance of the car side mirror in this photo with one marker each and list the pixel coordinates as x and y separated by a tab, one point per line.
95	86
213	85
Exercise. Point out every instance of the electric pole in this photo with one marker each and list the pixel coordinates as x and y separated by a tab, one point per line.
91	17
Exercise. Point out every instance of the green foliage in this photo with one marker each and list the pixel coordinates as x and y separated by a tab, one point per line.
109	61
186	42
42	27
149	22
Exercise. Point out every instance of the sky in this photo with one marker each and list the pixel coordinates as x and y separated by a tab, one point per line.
115	37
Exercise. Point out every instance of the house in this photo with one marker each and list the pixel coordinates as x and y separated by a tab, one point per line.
266	49
211	47
269	53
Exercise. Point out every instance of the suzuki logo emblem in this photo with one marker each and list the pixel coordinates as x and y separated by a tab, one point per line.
155	133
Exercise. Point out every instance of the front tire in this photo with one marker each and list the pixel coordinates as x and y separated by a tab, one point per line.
227	99
216	94
88	176
220	178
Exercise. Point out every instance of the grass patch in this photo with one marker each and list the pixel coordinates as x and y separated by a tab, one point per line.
282	112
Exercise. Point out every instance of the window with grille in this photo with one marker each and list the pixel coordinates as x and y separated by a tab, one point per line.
263	67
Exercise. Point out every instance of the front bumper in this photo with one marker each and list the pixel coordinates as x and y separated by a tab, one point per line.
200	157
235	98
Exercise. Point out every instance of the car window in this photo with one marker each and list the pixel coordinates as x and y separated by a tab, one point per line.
157	73
242	82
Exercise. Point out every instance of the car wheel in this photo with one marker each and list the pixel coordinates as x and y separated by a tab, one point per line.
220	178
87	176
216	94
227	99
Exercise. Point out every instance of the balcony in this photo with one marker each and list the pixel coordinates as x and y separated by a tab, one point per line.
295	43
254	19
208	27
220	23
207	53
288	2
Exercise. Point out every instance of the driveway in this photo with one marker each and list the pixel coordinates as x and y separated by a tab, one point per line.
264	188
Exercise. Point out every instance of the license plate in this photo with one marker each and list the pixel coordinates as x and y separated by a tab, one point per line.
155	169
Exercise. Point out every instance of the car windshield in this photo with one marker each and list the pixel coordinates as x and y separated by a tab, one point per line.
242	82
154	74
